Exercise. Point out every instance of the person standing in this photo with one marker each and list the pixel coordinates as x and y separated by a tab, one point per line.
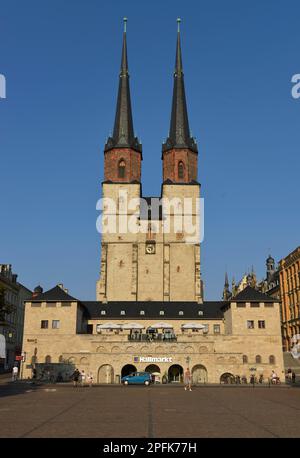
15	372
187	380
82	378
90	379
293	377
76	375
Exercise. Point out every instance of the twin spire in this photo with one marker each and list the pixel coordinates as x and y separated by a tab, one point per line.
179	134
123	134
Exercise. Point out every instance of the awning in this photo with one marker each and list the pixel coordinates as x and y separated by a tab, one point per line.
193	326
132	326
108	326
161	326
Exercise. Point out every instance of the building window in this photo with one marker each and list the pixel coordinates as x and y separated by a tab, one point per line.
254	304
258	359
142	312
161	312
261	324
181	313
44	324
36	304
272	359
48	359
103	312
51	304
269	304
217	329
122	312
245	359
241	304
55	324
180	170
200	312
121	169
250	324
66	304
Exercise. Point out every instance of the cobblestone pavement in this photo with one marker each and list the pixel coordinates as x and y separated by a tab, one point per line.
148	412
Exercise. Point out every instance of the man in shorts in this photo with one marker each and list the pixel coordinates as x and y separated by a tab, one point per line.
187	380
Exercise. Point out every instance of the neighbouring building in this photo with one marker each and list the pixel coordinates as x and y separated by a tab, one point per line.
12	323
150	313
289	275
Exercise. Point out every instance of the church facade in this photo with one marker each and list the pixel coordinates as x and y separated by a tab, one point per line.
150	313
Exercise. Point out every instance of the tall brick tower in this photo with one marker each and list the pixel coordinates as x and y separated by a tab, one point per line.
180	151
123	151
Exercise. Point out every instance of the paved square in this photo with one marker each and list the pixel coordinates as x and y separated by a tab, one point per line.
54	411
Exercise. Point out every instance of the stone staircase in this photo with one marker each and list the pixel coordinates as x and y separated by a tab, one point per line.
291	363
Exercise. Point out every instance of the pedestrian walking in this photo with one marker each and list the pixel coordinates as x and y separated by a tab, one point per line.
82	378
187	380
293	377
15	372
90	379
33	375
75	376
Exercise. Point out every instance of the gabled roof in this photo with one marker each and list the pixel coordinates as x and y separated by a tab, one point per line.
250	294
56	294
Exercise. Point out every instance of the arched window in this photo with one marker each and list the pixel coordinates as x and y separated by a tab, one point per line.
180	171
258	359
245	359
272	359
48	359
61	359
121	169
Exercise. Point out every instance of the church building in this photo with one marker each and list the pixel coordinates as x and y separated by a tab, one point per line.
150	313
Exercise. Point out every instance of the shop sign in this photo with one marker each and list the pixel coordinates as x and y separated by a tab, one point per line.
150	359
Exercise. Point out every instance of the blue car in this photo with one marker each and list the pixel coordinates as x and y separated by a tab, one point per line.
137	378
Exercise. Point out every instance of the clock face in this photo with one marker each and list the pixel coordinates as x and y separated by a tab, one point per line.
150	248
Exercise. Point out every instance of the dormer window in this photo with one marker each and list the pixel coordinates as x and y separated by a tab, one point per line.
121	169
181	313
123	312
142	312
161	312
200	312
103	312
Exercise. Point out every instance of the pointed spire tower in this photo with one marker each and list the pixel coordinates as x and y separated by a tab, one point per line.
180	150
226	293
123	151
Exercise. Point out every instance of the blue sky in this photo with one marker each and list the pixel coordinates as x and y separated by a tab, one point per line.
61	62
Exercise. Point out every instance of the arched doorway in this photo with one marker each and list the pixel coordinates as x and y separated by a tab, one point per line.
128	369
152	368
227	378
199	374
106	374
155	370
175	374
